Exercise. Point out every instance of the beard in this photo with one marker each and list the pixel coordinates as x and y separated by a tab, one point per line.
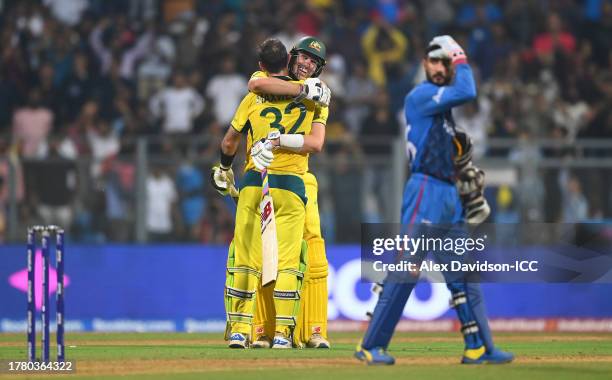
439	79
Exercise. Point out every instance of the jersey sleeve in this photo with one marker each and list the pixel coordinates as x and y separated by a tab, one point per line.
320	114
429	99
259	74
241	116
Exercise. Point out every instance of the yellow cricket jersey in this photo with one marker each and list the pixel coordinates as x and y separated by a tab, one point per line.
258	115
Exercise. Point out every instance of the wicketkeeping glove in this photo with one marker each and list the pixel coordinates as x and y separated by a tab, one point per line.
223	181
470	185
463	149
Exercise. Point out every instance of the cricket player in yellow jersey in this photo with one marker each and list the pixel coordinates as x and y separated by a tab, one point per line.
282	124
312	321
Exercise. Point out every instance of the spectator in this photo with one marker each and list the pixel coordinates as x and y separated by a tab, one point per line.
346	189
575	204
360	93
32	124
225	90
54	187
475	119
530	188
119	49
334	75
9	160
161	198
156	67
118	175
379	131
103	143
67	11
178	105
506	217
289	34
382	45
78	88
555	38
190	185
8	93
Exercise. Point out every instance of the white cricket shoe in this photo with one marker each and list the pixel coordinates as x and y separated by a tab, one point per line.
262	342
280	341
238	340
317	341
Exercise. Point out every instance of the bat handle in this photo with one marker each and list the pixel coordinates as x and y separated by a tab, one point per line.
265	187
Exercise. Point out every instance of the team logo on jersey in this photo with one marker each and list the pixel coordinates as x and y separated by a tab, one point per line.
315	45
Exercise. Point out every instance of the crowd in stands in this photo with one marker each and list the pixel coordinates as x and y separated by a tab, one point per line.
82	80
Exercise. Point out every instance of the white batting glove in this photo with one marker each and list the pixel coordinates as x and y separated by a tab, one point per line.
223	181
326	97
261	154
313	89
449	49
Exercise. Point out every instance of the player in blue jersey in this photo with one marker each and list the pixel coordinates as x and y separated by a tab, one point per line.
444	188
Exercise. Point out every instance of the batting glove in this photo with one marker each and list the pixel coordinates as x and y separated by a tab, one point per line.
223	181
326	97
261	154
449	49
315	90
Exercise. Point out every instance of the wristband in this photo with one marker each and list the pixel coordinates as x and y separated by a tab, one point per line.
226	160
292	142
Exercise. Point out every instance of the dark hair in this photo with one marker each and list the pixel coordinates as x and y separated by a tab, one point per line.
272	55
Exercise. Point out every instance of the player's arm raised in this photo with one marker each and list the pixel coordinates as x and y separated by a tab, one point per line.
312	88
431	99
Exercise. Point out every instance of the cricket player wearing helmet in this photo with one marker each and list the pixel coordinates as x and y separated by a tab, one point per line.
307	59
270	123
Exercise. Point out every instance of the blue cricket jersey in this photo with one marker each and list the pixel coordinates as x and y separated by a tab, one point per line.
430	124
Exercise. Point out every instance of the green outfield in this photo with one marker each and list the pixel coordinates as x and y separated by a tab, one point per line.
419	356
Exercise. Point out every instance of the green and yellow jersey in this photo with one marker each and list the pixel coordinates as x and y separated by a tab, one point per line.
258	115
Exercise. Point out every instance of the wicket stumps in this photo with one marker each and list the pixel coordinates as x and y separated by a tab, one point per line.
46	232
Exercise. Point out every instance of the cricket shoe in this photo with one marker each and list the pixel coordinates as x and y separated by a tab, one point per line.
280	341
473	355
317	341
495	356
374	356
238	340
261	342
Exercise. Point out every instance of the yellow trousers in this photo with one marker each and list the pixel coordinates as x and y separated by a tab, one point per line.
313	310
245	256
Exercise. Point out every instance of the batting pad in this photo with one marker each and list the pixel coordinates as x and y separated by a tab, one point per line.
240	293
469	327
313	313
287	295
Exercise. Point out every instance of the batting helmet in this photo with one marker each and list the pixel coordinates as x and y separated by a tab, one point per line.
314	48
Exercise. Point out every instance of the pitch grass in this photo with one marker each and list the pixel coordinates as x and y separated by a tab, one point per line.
419	356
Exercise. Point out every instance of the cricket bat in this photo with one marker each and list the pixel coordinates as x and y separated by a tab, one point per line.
269	242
